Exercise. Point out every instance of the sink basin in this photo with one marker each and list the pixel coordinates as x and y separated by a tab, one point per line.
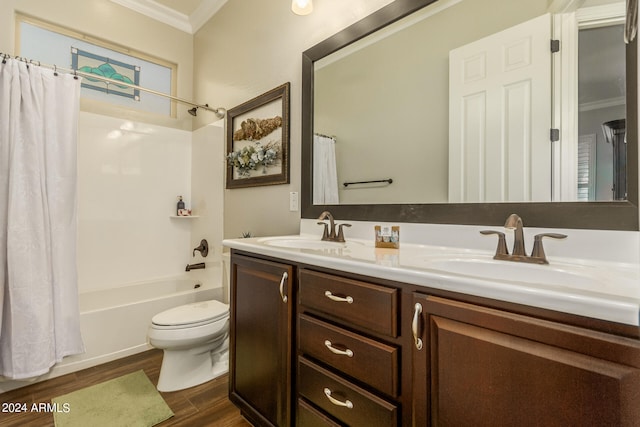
301	243
514	272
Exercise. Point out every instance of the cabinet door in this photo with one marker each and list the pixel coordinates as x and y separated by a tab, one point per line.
484	367
261	340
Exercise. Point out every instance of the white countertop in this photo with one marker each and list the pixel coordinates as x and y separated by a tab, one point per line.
604	290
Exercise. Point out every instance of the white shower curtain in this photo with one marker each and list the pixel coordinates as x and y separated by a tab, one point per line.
38	279
325	175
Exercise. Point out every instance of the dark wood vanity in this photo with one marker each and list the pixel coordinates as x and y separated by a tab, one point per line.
318	347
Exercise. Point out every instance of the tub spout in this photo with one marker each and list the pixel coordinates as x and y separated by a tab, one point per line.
194	266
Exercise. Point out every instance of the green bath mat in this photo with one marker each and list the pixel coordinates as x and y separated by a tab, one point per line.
127	401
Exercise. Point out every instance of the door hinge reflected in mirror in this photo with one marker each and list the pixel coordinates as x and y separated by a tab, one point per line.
554	135
555	46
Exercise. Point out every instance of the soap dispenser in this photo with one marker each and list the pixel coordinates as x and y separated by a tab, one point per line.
180	205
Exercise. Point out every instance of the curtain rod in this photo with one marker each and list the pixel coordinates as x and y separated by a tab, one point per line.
219	112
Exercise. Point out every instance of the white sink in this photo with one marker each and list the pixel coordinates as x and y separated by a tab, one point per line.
301	243
518	272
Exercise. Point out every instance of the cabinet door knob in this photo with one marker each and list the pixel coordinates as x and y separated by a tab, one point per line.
285	276
347	403
415	326
334	350
333	297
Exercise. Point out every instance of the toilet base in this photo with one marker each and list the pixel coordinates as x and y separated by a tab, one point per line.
183	369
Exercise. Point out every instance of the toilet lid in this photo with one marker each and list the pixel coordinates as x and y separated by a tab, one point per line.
197	312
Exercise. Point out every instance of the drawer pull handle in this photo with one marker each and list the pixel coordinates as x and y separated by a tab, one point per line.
347	403
333	297
334	350
285	276
415	326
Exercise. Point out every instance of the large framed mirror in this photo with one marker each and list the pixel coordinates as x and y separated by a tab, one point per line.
427	127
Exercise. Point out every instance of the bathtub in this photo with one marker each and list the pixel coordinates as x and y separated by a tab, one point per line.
114	321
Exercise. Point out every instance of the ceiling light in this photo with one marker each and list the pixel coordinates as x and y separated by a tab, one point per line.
302	7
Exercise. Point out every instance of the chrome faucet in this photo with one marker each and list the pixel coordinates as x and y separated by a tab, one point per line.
329	233
519	253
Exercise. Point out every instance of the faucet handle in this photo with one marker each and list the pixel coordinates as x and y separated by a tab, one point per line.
325	233
203	248
501	249
538	249
340	237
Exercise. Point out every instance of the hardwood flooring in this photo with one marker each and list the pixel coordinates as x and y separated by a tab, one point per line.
201	406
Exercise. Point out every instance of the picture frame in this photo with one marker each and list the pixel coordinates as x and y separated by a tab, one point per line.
257	134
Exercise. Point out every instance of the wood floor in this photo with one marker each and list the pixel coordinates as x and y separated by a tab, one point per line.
201	406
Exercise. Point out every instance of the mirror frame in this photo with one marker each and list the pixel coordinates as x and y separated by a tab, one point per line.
614	215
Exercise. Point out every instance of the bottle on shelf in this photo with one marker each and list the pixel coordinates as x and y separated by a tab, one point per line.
180	205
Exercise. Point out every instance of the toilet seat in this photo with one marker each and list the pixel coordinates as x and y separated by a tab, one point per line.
191	315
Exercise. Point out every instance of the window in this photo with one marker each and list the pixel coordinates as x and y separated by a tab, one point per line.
48	44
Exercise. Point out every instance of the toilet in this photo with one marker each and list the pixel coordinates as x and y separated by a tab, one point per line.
195	340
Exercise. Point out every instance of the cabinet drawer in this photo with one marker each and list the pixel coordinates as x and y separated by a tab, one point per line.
308	416
329	344
332	393
360	303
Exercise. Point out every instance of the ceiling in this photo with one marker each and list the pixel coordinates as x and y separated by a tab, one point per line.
185	15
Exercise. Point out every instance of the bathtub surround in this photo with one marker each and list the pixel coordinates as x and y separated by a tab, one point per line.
130	250
129	174
38	178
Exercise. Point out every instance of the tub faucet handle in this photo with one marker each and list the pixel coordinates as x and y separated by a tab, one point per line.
203	248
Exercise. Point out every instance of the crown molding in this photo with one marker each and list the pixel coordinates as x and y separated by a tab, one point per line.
603	103
204	12
189	24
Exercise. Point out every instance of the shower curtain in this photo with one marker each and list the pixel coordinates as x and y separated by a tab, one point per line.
325	175
40	321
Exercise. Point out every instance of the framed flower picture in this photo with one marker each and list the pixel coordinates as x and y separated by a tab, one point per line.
258	140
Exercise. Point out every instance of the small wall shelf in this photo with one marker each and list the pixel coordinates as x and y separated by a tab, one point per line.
184	217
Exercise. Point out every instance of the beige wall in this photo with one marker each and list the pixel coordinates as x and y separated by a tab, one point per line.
106	20
246	49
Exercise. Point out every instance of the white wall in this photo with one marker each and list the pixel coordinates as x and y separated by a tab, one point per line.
129	175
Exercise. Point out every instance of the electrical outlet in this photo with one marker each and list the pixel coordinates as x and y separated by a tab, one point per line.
293	201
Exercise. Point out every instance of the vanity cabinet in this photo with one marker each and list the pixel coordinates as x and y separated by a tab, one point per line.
485	367
348	354
261	337
313	347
